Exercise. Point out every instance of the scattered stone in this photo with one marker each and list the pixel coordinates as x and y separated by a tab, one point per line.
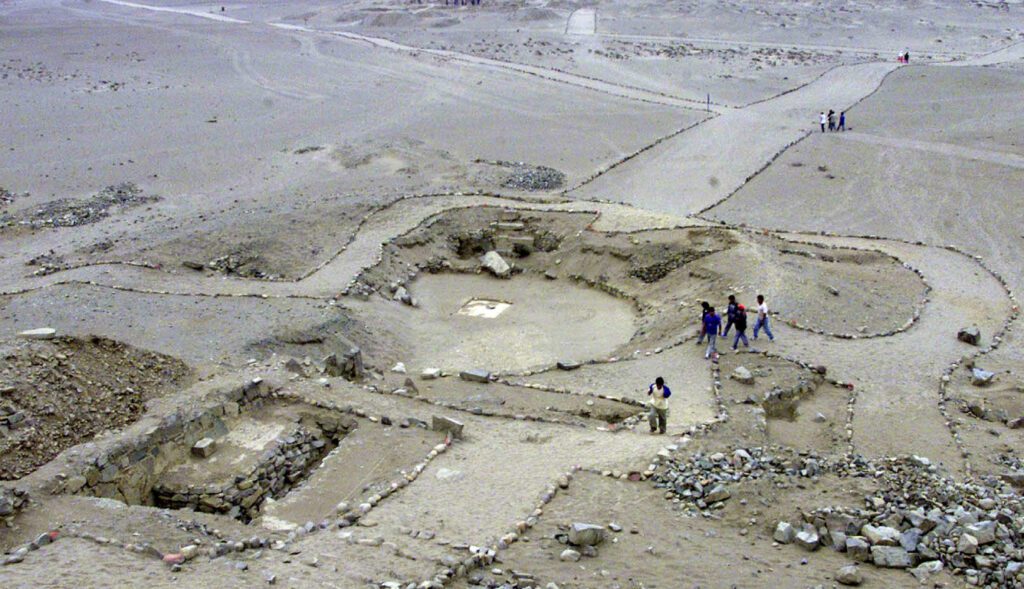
849	575
926	569
981	378
969	335
410	386
447	425
858	548
581	534
495	264
570	555
742	375
568	365
808	539
398	368
784	533
475	375
716	494
892	557
42	333
204	448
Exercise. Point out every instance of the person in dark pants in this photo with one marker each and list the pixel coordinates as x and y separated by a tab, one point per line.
657	417
730	315
831	120
713	328
741	329
824	120
842	121
704	307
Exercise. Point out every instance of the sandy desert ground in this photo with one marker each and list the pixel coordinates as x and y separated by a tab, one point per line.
370	294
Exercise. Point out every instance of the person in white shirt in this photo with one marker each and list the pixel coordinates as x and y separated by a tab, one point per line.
824	121
762	319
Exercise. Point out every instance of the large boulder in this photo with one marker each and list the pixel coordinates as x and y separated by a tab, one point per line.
495	264
581	534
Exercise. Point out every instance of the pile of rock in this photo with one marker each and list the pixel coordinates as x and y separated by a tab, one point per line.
350	366
67	212
922	521
702	479
526	177
6	197
582	539
401	294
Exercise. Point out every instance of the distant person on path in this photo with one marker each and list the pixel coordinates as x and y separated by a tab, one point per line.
824	121
842	121
658	414
762	319
713	328
730	315
741	329
831	120
703	315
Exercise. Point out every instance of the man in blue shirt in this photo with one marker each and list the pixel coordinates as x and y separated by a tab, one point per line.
713	328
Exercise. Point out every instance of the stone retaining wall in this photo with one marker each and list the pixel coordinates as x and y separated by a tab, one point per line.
12	502
128	470
279	469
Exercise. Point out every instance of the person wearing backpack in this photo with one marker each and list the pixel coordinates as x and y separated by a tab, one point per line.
741	329
657	416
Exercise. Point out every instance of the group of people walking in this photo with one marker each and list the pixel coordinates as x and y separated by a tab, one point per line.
711	329
828	121
735	318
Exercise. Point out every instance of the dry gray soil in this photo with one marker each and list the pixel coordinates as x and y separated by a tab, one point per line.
371	294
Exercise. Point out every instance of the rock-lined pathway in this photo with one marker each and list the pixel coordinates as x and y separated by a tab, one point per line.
896	378
582	21
706	164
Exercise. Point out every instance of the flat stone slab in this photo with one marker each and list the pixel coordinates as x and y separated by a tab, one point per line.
439	423
40	333
475	375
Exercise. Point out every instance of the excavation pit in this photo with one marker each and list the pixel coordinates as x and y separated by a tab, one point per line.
474	320
258	455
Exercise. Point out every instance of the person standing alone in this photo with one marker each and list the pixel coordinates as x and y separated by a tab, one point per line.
658	414
762	319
